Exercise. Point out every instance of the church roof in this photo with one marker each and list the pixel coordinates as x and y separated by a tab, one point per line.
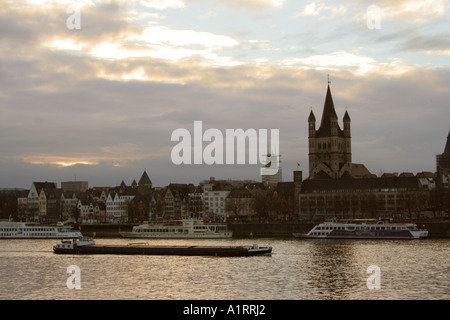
447	145
47	186
321	175
145	180
361	185
359	170
329	114
346	116
311	116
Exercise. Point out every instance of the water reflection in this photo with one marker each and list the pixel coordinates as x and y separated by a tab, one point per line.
298	269
333	271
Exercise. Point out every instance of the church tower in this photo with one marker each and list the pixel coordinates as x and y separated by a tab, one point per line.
443	164
329	147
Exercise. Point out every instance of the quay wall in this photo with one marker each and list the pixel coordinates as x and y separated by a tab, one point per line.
275	230
436	229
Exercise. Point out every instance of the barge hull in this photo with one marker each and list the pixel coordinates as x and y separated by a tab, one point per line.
154	250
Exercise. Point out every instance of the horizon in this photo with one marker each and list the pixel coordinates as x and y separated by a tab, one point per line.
91	90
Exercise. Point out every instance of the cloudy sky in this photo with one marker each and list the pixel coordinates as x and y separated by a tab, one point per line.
93	89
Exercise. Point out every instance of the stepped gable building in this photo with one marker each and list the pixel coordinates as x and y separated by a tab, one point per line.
37	201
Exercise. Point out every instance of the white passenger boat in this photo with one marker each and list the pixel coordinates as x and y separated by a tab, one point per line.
364	229
179	229
31	230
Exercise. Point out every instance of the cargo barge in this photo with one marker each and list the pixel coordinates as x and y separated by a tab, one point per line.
90	247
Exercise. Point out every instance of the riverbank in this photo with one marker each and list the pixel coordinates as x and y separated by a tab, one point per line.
284	229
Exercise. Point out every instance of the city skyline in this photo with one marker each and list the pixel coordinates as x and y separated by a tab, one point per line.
98	101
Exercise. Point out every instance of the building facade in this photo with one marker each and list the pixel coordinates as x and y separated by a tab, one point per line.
36	202
215	195
240	202
74	186
362	198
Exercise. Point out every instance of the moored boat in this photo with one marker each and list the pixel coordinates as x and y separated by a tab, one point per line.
90	247
31	230
179	229
363	229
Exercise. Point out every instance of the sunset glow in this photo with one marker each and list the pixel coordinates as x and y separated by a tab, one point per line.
104	83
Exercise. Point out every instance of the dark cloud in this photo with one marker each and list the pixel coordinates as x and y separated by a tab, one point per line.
436	42
69	106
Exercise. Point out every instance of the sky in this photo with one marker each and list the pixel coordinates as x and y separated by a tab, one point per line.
93	90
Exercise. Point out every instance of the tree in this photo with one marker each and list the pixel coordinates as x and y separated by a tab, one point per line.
233	206
261	202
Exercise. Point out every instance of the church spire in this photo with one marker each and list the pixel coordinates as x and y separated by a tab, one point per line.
447	145
328	115
346	116
145	180
311	117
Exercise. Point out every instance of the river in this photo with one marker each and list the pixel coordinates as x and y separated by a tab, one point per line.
298	269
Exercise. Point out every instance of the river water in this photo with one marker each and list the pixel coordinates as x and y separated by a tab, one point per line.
297	270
